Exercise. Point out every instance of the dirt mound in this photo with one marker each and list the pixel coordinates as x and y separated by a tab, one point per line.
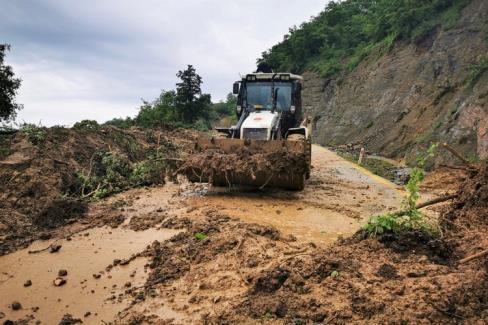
255	165
49	173
224	271
466	220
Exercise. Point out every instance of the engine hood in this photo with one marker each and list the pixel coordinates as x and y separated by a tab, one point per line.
260	120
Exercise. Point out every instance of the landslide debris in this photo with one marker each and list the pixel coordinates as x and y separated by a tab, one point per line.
246	273
245	163
47	175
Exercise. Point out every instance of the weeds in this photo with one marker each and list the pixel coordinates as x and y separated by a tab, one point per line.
410	218
36	134
88	126
200	236
4	147
477	70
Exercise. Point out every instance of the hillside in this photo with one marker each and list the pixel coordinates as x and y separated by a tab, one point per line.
394	77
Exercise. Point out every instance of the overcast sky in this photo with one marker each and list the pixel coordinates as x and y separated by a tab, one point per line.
96	59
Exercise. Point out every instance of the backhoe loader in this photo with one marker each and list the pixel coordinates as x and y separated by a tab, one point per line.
270	124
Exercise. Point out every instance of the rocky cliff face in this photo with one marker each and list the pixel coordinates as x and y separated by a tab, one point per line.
433	89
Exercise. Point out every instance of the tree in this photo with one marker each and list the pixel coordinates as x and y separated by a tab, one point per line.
8	88
190	102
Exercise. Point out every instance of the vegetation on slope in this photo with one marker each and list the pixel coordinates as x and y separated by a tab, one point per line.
342	35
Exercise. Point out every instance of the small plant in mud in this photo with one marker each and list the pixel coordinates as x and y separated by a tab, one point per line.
200	236
409	218
35	134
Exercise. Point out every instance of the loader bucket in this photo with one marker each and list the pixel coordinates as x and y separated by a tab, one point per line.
258	163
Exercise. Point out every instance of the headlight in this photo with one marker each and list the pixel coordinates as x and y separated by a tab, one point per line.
293	109
238	109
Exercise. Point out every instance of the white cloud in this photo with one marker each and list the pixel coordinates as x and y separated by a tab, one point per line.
96	59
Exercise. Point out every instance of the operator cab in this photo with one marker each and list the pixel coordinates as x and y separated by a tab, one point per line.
268	104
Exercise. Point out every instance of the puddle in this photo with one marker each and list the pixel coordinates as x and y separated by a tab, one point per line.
82	257
306	222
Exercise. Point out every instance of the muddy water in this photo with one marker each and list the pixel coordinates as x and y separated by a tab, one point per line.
86	254
337	200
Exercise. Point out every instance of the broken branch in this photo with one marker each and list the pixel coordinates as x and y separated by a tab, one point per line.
428	203
456	153
475	256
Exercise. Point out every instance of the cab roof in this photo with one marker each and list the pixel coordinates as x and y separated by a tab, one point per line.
279	76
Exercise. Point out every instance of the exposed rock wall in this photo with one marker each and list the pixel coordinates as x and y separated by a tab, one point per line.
419	92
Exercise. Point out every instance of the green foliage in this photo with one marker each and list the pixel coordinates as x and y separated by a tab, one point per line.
121	123
346	32
35	134
334	274
128	143
4	146
184	107
87	126
477	70
410	218
116	173
200	236
9	86
147	172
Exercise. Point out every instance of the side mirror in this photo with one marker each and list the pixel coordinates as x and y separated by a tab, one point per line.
235	89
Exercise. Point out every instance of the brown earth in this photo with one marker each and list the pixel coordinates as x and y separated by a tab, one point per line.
39	187
244	163
186	253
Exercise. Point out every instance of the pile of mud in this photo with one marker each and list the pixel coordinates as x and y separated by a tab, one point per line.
234	272
48	174
245	166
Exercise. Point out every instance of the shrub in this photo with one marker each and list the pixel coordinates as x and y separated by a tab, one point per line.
35	134
87	126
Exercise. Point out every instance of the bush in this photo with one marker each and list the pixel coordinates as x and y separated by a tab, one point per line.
35	134
87	126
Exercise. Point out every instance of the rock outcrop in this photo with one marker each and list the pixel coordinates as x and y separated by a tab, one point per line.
431	89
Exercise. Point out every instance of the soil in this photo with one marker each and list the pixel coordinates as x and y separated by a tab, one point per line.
39	187
188	253
244	163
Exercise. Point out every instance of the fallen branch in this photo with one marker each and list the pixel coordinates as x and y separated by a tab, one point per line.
475	256
456	153
455	167
426	204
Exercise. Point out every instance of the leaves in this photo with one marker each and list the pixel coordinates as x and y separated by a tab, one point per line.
8	88
413	218
346	32
200	236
